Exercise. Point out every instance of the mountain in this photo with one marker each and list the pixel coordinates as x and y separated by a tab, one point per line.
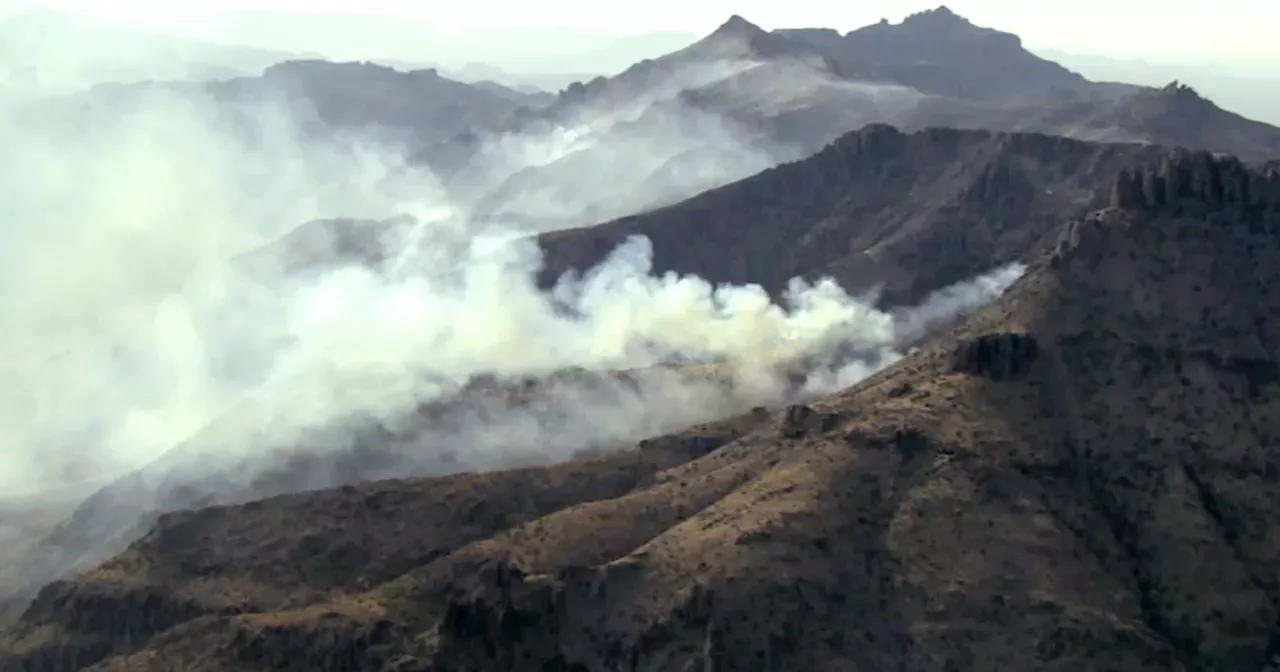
1081	476
47	52
942	53
411	109
1253	95
759	98
1174	114
420	104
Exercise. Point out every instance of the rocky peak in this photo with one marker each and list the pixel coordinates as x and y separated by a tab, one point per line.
738	37
939	17
1183	265
737	26
1174	100
943	24
938	51
1180	90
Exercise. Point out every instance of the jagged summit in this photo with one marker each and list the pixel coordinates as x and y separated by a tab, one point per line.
938	17
941	52
939	23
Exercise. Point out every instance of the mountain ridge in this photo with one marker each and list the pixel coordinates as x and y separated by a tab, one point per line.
837	212
785	94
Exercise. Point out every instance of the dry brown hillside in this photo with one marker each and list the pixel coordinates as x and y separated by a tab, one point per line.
1082	477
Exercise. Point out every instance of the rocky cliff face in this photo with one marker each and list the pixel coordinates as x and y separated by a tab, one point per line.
1081	476
1198	183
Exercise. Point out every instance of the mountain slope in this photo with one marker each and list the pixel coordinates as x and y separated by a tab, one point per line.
1081	477
1174	114
1253	95
915	211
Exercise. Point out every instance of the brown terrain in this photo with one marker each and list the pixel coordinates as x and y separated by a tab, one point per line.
1081	476
52	539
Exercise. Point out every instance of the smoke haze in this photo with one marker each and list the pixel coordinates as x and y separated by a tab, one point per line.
166	315
130	329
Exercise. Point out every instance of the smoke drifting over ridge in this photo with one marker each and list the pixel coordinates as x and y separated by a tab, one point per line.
128	328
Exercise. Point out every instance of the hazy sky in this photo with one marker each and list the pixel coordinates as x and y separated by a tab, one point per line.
1227	28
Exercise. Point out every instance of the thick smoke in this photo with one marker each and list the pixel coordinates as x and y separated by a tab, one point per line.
117	228
130	328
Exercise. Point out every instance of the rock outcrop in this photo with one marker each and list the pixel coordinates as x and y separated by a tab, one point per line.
1200	184
996	356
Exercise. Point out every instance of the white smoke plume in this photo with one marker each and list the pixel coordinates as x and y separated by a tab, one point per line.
154	318
129	329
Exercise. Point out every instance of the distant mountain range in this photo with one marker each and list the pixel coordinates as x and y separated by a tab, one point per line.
46	52
775	96
724	107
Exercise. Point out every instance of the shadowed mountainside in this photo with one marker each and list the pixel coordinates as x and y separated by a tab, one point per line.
1080	477
914	211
